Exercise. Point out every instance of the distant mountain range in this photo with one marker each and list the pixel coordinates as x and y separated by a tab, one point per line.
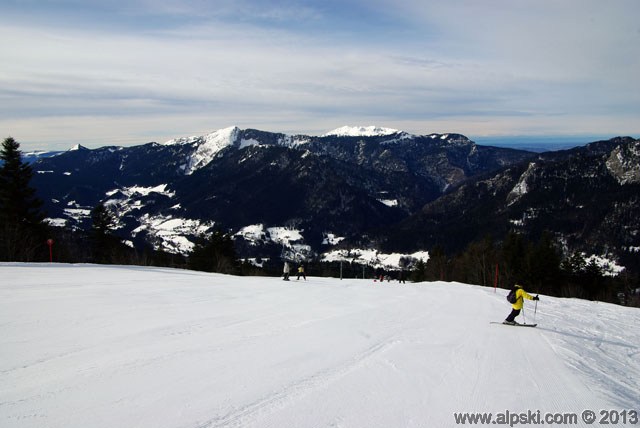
355	186
587	197
538	144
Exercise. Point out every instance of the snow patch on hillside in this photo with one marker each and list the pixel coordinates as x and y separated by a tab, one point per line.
332	239
389	202
284	235
56	222
183	141
257	233
31	157
142	191
171	234
249	143
123	201
293	141
292	241
294	248
254	234
607	266
521	188
77	212
376	259
624	163
402	137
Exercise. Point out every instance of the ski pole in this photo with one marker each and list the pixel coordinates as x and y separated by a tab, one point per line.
535	311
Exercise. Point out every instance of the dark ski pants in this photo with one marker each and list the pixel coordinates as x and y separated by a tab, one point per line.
512	316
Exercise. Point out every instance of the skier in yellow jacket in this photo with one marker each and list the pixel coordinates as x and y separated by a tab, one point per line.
301	272
517	306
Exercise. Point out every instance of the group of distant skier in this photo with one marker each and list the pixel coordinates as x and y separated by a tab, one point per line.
519	294
287	269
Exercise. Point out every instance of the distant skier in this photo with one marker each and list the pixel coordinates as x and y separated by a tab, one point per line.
520	295
401	277
286	270
301	272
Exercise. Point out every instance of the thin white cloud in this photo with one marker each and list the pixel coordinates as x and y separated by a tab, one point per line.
462	66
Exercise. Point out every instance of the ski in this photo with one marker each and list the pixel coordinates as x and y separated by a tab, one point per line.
514	325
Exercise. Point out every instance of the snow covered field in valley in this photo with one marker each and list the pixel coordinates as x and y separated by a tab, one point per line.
99	346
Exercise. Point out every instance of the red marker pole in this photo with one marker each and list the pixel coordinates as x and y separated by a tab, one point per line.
50	244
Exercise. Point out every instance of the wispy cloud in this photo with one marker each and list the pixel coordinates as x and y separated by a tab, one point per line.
141	70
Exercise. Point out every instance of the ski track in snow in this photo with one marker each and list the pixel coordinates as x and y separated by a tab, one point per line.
610	352
128	346
242	416
254	413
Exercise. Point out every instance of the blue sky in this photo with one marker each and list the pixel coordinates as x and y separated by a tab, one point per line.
129	72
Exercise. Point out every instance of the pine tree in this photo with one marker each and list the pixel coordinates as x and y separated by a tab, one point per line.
104	244
215	254
513	256
543	261
102	220
594	282
436	267
22	232
419	272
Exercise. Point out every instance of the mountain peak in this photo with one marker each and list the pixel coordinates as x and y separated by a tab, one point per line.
211	145
361	131
224	133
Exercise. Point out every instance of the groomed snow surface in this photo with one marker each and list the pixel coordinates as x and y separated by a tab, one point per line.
99	346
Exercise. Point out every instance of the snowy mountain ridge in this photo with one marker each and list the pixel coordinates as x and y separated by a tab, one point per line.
362	131
208	146
364	190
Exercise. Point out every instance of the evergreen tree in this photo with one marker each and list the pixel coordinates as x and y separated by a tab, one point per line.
419	272
543	263
22	233
104	243
102	220
573	268
476	265
215	254
513	256
574	264
436	268
594	282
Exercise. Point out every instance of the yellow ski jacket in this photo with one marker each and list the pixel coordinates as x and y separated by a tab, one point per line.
520	296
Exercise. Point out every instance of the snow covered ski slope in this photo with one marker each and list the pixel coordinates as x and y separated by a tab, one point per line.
98	346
